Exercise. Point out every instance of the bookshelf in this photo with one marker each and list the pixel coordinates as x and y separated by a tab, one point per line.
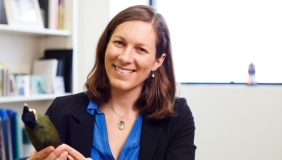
12	99
31	31
21	46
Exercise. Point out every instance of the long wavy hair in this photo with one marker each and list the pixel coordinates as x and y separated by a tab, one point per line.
158	93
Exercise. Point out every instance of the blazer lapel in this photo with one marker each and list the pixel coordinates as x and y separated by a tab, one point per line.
149	138
82	127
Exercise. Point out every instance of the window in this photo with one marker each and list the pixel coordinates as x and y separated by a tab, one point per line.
215	41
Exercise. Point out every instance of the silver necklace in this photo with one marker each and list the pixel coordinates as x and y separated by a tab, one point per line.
121	124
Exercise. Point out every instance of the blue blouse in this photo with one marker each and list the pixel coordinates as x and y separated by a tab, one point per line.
100	149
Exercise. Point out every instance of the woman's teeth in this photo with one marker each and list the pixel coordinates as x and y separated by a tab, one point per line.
122	70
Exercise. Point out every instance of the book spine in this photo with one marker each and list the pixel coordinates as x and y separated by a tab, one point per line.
53	14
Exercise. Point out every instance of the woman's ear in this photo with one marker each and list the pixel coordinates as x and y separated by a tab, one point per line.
159	62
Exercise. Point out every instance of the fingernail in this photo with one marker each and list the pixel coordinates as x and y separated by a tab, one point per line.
51	148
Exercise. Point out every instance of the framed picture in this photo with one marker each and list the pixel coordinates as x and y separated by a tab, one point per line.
38	84
23	84
23	13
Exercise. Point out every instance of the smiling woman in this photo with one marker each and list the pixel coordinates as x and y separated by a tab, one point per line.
129	109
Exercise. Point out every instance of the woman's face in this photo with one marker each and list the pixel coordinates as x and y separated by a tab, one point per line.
130	55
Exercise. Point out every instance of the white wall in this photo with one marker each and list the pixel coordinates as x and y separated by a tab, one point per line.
93	16
236	122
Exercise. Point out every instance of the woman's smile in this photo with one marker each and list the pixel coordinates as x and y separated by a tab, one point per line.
123	70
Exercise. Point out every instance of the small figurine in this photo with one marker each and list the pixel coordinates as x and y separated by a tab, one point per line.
252	71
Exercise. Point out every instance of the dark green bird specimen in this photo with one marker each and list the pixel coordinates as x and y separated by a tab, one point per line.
40	130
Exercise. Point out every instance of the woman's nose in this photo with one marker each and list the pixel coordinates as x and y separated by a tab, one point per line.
126	55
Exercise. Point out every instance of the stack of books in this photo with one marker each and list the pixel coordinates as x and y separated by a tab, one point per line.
11	143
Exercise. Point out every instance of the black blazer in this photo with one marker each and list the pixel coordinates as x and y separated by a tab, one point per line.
171	139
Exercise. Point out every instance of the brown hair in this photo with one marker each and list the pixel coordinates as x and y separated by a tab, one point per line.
158	93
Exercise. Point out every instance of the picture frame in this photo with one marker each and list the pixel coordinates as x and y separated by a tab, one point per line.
23	13
38	84
23	84
58	85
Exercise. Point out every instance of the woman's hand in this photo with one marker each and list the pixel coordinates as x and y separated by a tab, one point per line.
43	154
62	152
72	153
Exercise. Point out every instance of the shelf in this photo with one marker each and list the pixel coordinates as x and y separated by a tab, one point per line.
33	31
30	98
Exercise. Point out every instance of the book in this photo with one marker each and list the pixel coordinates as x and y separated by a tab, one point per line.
47	68
64	58
13	85
5	143
9	136
7	82
4	80
15	131
61	14
61	67
2	149
53	14
3	17
1	81
44	7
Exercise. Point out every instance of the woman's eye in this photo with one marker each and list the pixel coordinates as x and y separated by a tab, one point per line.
119	42
141	50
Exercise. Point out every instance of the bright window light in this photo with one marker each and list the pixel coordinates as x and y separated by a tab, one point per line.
215	41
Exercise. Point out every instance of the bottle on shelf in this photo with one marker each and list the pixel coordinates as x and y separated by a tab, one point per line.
251	72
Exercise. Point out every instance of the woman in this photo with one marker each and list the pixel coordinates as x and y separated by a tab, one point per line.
129	109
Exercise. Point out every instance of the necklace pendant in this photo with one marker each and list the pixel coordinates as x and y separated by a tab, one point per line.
121	125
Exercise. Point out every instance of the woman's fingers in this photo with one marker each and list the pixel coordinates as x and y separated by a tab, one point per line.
34	155
70	158
74	154
59	154
62	152
62	156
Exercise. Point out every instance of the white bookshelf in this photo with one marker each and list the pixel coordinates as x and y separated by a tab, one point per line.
12	99
21	46
33	31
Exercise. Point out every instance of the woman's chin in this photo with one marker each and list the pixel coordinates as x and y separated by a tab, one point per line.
125	87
